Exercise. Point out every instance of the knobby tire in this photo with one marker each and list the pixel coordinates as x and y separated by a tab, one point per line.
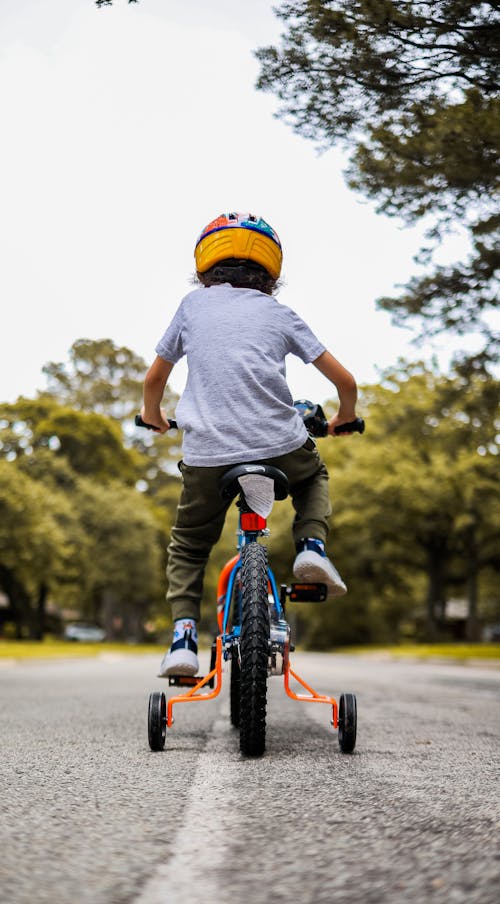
254	645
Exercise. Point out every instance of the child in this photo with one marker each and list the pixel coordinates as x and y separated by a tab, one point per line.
237	407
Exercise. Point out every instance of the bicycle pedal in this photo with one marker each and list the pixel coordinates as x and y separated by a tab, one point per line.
183	680
307	592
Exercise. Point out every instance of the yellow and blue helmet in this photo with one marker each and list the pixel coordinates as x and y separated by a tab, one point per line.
240	236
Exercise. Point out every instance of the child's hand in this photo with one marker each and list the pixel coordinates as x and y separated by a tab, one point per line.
337	421
158	419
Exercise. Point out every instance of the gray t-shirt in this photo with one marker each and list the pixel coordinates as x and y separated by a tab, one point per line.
236	405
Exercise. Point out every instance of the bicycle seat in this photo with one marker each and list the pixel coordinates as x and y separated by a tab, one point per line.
229	486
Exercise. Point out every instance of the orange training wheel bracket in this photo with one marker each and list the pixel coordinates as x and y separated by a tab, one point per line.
312	696
192	696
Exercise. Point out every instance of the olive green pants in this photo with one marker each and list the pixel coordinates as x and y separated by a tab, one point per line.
202	511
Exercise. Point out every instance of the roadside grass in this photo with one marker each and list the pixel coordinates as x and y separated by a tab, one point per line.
460	652
51	648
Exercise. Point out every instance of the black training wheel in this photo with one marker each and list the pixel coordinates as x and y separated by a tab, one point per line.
347	722
157	720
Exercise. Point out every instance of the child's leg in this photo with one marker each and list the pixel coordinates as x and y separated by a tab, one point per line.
308	479
198	525
200	518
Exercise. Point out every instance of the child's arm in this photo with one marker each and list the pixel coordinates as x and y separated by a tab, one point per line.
346	388
154	387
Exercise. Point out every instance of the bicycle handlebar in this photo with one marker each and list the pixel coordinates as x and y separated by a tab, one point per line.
314	419
355	426
140	423
316	423
319	426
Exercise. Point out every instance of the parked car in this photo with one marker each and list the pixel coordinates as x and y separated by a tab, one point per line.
84	632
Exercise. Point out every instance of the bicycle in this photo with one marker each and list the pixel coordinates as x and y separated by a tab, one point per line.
253	634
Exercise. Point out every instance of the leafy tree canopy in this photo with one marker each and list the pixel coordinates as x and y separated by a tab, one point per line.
72	530
91	443
35	533
40	547
123	541
108	379
411	88
344	65
416	510
99	376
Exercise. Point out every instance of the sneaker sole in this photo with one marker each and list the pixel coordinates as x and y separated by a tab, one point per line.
307	571
180	662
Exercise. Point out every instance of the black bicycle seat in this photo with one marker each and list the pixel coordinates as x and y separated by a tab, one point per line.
229	486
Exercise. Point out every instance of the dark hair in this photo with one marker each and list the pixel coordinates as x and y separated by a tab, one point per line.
241	274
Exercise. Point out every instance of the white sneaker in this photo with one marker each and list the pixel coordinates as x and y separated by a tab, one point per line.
312	564
182	658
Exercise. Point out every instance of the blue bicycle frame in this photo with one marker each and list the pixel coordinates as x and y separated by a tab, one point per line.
244	537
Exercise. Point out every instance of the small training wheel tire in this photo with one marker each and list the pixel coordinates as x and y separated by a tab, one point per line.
347	722
157	720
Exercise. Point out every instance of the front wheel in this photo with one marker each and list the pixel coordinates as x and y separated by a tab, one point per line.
348	718
157	721
254	648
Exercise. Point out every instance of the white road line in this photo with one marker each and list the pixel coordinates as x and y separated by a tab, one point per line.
202	840
198	868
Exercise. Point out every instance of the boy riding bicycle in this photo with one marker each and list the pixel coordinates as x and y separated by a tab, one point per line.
236	337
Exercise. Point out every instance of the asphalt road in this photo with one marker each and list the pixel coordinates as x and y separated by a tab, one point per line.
90	816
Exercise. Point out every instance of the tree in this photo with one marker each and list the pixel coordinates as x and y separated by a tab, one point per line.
75	448
91	443
411	89
123	543
416	517
99	376
417	502
72	528
39	541
107	379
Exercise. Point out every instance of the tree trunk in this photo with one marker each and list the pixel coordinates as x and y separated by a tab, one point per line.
111	619
436	589
472	627
40	612
19	601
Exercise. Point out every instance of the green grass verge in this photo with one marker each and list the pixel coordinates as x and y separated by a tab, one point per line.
57	649
456	651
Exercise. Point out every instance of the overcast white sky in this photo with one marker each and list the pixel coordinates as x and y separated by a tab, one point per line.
125	130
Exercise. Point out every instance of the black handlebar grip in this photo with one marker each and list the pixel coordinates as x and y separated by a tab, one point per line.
355	426
140	423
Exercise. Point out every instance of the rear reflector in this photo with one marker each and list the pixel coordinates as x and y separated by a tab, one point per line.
251	521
